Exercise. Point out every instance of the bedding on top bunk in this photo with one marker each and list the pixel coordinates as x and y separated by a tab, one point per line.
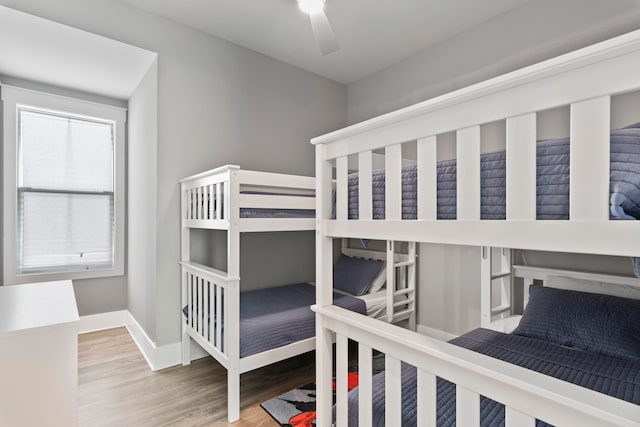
274	317
267	213
552	182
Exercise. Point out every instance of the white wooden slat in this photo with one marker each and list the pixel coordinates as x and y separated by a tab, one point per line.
411	285
393	182
190	204
342	188
218	323
342	372
190	300
207	311
211	202
365	185
427	178
199	203
392	391
589	164
506	266
365	388
269	179
218	201
391	280
468	173
199	304
515	418
521	167
426	399
525	295
467	407
485	285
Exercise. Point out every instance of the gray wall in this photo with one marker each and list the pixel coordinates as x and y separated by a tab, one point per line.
217	103
538	30
142	158
448	297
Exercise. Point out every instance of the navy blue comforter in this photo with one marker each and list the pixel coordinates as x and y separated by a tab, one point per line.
274	317
615	377
552	182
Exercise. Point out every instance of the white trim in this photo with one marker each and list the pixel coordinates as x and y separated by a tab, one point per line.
11	98
157	357
102	321
436	333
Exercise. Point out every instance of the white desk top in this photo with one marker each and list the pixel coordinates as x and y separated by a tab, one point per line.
37	305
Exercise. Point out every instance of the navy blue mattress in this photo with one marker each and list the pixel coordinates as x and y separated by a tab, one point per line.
274	317
615	377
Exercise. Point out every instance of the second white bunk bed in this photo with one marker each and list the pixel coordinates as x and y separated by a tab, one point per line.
585	81
248	330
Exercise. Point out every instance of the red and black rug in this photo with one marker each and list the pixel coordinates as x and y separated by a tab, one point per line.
297	408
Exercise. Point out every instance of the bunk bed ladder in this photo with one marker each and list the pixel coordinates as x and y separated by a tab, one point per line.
505	280
401	281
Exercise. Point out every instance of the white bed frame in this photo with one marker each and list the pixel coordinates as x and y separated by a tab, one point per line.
204	286
585	80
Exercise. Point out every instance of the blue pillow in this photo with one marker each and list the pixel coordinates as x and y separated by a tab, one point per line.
595	323
355	275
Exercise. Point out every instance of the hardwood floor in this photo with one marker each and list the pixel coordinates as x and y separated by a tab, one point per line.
117	388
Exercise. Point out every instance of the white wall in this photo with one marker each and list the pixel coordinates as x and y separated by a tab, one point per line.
448	298
217	103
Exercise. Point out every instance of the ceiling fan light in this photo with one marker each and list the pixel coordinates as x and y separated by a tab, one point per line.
311	6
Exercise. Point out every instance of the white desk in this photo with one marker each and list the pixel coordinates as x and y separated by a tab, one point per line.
38	355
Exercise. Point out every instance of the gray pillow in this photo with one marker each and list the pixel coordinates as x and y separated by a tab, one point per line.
355	275
595	323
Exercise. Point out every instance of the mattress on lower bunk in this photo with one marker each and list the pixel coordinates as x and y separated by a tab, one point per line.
274	317
615	377
552	165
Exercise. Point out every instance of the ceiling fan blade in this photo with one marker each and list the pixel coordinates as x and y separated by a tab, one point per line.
323	33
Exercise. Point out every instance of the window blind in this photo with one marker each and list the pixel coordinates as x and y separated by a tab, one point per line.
65	192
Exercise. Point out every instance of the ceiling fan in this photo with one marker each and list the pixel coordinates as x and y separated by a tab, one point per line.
320	25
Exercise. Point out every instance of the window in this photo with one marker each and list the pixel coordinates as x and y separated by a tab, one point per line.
64	193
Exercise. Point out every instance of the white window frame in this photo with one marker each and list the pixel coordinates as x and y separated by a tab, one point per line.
12	97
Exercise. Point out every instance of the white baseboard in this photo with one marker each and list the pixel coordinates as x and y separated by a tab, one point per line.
158	357
102	321
436	333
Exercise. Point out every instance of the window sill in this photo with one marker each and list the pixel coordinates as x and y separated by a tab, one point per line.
68	275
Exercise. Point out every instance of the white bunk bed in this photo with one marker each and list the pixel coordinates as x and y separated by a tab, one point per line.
585	80
235	200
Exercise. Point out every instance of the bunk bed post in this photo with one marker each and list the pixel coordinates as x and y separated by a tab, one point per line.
324	288
185	242
232	297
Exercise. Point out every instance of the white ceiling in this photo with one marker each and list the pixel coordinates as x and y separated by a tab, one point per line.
47	52
373	34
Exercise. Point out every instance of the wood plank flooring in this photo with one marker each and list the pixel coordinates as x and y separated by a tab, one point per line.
117	388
